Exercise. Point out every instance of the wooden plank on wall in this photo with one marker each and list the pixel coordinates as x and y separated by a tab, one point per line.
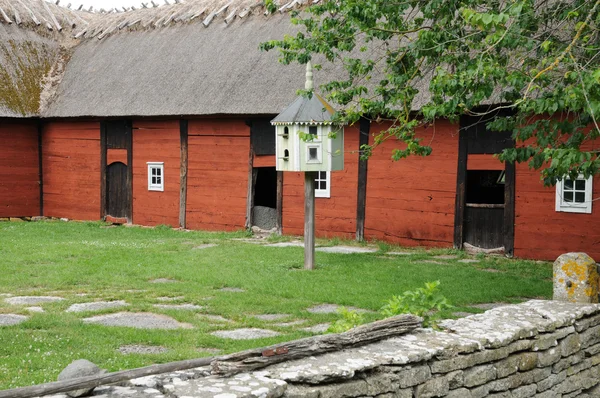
509	209
102	170
361	199
250	192
461	183
280	202
129	138
183	135
40	168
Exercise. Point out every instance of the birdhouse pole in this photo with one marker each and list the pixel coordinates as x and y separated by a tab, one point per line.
309	198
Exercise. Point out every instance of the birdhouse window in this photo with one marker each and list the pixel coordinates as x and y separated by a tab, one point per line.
312	130
574	196
313	154
286	131
156	176
322	184
286	154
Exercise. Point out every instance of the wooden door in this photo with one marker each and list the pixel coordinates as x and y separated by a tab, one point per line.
117	176
484	213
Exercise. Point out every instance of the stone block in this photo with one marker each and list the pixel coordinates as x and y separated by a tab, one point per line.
551	381
509	366
504	394
481	391
585	323
381	383
354	388
479	375
568	361
549	340
547	394
80	368
437	387
524	391
527	361
549	357
459	393
569	345
409	377
590	337
456	379
575	278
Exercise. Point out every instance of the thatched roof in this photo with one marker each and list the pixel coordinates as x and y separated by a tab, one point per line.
41	16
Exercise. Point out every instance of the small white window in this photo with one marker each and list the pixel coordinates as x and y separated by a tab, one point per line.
322	184
574	196
313	153
156	176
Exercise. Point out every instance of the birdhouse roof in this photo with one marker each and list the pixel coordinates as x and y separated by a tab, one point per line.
313	110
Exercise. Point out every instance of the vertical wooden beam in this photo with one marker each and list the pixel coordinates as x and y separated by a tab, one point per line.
361	198
279	203
183	171
40	131
129	127
461	188
102	170
309	219
509	209
250	193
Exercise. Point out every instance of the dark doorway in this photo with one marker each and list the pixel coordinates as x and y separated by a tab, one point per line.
116	190
264	212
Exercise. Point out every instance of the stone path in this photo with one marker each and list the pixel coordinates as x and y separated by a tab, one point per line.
290	324
332	309
346	249
142	349
170	298
12	319
96	306
317	329
163	280
138	320
270	317
232	289
446	257
34	309
186	306
216	318
205	246
32	300
245	334
286	244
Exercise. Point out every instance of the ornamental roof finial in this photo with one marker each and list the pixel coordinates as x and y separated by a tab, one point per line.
309	77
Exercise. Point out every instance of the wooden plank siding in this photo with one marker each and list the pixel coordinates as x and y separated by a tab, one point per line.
217	174
411	201
336	215
71	161
19	169
156	141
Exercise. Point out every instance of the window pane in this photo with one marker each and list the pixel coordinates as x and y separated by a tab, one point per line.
569	197
322	175
312	153
579	197
568	184
153	180
323	185
158	172
312	130
158	180
580	185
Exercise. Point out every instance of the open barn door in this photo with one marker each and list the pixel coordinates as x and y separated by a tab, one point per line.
116	166
484	215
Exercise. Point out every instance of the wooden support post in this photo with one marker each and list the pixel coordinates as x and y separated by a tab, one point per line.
461	189
279	202
309	219
103	170
509	209
40	167
129	130
250	192
183	171
361	199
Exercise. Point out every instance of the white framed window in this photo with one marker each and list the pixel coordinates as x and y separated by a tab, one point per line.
574	196
313	153
323	184
156	176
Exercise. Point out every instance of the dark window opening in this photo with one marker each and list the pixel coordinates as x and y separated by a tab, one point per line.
286	154
312	130
312	154
485	186
286	131
265	189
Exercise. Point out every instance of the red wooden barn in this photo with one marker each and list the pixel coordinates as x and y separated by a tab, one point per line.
161	116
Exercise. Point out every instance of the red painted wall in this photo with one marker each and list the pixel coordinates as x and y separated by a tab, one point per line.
19	168
411	201
218	152
156	141
336	215
71	163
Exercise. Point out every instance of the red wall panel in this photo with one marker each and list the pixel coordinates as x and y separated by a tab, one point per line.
156	141
336	215
411	201
218	151
19	168
71	163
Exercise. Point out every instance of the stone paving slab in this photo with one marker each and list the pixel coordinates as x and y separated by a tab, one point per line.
205	246
286	244
163	280
271	317
346	249
333	309
468	261
400	253
12	319
34	309
185	307
142	349
240	386
446	257
290	324
138	320
216	318
32	300
232	289
245	334
96	306
317	329
164	298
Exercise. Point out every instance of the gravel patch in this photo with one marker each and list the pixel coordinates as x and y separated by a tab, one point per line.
286	244
170	298
232	289
271	317
332	309
34	309
142	349
317	329
138	320
346	249
32	300
163	280
245	334
468	261
12	319
205	246
186	306
446	257
216	318
290	324
96	306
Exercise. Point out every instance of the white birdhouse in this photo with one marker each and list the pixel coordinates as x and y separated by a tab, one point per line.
306	139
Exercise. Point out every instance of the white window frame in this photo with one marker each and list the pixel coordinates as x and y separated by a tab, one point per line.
572	207
159	166
323	193
319	149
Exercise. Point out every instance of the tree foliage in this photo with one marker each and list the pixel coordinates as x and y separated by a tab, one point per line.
538	59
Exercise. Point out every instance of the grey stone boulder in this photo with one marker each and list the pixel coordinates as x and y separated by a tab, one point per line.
80	368
576	278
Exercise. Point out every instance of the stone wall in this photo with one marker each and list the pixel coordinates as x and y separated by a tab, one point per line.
535	349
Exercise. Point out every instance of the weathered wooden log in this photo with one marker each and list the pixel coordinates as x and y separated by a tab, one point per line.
107	378
260	357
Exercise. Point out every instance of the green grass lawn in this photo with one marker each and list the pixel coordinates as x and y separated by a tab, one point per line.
85	262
